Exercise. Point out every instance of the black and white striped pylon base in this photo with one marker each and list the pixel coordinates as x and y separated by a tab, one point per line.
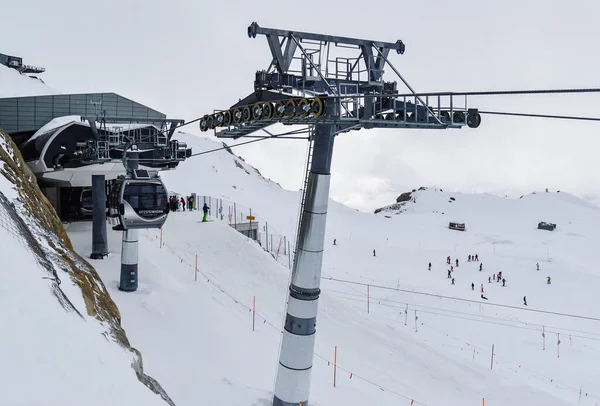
129	261
292	384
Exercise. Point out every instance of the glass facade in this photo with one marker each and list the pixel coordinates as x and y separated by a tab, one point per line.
22	114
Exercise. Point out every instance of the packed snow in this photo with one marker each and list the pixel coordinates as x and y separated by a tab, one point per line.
195	329
15	84
51	350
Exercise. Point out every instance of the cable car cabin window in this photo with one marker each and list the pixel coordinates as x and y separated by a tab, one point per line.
86	199
147	200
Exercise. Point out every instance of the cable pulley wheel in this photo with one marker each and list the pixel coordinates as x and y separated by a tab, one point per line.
257	111
303	109
459	117
211	122
226	118
218	119
267	111
204	123
237	115
390	116
246	114
279	109
473	120
290	108
317	107
445	116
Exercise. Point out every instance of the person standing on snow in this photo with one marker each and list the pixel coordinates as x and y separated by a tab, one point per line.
525	300
549	279
503	282
374	253
476	257
205	209
448	259
489	279
334	241
430	266
482	288
469	260
457	262
480	267
183	203
537	265
449	274
472	286
453	281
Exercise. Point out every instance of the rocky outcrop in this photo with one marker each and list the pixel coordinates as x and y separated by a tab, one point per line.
404	197
44	234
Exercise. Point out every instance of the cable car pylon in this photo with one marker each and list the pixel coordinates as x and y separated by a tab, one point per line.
312	81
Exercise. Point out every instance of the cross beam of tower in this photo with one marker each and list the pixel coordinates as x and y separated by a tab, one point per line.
313	80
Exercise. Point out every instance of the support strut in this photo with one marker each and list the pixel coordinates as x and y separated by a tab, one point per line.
129	247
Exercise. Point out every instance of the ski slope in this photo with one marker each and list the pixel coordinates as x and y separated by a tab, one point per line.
196	335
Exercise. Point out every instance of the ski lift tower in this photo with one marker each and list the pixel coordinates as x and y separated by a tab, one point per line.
331	85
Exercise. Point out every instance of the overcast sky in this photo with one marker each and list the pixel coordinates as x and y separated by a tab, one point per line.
188	57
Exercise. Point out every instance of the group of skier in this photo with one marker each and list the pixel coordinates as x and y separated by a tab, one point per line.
496	277
179	204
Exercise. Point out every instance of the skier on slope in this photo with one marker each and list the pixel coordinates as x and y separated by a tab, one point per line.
334	241
525	300
469	259
448	259
430	266
489	279
449	274
472	286
453	281
183	203
503	282
537	265
549	280
483	297
457	262
205	209
476	257
480	267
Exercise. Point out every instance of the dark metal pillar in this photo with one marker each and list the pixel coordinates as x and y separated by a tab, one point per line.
292	385
99	239
129	247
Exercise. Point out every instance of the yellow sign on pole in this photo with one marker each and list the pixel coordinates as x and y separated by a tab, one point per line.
250	218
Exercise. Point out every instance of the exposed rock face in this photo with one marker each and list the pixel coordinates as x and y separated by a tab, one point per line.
404	197
43	232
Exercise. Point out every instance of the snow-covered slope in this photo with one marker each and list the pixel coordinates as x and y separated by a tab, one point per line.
14	84
197	338
61	341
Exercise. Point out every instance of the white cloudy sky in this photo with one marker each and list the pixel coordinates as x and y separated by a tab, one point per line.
187	57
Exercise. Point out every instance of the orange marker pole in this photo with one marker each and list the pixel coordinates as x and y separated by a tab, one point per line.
253	312
334	364
483	402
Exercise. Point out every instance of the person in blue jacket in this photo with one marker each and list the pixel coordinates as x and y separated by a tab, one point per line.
205	209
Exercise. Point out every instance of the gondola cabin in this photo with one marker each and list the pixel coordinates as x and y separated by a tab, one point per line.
138	202
456	226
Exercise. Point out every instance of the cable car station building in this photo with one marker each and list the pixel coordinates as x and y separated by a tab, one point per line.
67	138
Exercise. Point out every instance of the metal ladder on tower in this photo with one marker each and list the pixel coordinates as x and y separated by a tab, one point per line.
309	155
